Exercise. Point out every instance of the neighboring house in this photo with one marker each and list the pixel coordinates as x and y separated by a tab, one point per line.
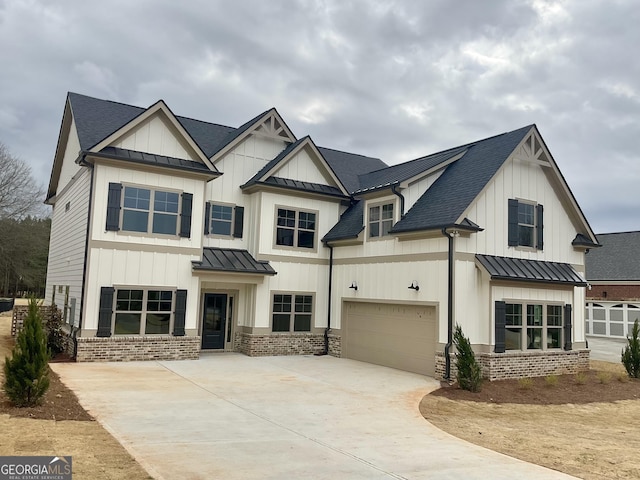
171	236
613	297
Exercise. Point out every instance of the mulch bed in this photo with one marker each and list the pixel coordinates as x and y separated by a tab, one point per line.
597	387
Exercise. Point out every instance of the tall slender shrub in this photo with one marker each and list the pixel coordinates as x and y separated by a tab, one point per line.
469	374
631	352
27	371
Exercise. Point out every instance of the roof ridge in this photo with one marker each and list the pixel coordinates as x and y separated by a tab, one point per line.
113	101
618	233
348	153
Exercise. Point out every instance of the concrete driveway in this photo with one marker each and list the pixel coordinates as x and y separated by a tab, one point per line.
235	417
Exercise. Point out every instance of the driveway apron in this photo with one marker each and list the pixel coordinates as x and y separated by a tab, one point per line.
229	416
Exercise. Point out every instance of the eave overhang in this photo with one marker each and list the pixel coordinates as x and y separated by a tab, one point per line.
530	271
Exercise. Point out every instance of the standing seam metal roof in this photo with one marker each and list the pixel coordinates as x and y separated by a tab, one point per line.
536	271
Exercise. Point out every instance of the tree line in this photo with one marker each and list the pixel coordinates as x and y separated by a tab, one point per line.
24	229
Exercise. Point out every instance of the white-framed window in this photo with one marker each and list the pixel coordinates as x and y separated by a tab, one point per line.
292	312
221	220
296	228
380	219
526	224
150	211
533	326
143	312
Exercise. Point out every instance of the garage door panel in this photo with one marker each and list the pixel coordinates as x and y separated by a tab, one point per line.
397	336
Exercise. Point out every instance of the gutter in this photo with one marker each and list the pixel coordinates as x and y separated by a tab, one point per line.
447	347
326	331
74	331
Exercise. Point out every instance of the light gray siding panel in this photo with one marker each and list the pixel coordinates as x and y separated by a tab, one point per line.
67	242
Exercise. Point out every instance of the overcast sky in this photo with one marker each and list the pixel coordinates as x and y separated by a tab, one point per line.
390	79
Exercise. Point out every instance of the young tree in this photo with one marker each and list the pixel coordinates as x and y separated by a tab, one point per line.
27	371
469	374
631	353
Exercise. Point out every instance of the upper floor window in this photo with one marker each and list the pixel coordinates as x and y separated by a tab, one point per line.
147	210
295	228
224	220
526	224
380	220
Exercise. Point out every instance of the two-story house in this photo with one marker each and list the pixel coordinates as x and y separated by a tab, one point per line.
171	236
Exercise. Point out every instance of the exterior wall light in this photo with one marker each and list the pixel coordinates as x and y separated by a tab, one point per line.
354	285
414	286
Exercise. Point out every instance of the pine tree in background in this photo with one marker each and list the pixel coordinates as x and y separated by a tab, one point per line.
631	353
469	374
27	371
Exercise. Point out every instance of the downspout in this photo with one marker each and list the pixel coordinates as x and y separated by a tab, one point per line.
326	332
393	189
74	333
447	347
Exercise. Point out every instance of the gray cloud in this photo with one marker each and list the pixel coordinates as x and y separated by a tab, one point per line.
385	78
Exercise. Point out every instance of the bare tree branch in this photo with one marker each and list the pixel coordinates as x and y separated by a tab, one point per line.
20	195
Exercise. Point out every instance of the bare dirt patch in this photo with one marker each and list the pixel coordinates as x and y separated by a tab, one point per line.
584	428
60	426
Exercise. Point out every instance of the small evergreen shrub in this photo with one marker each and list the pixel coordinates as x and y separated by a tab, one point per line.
525	383
469	374
55	335
631	352
27	371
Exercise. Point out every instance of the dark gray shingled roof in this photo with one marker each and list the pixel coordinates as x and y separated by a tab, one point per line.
349	166
232	260
520	269
404	171
350	224
445	201
151	159
617	259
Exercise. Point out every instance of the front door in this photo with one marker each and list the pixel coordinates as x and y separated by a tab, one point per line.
213	323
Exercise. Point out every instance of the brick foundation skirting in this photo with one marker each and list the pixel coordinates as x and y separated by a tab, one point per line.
257	345
499	366
131	348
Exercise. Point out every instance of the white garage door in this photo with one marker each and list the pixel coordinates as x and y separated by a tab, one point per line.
397	336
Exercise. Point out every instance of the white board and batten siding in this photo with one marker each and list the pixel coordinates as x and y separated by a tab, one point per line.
303	167
69	167
65	265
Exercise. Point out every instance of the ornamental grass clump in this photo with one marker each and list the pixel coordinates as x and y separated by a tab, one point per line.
27	371
469	374
631	352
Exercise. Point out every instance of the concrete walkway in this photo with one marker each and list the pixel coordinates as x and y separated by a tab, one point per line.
235	417
606	349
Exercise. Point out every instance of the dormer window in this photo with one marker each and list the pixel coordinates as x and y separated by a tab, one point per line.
380	220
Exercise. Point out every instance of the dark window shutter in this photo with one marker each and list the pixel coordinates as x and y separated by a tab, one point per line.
185	215
113	207
513	222
207	218
180	313
501	317
567	328
106	311
540	227
238	222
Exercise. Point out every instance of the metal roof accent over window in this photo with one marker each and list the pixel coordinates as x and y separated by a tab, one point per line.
232	260
152	159
505	268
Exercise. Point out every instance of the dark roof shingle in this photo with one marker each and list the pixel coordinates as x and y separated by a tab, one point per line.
617	259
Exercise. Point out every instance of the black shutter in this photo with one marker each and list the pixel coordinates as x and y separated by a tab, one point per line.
501	318
567	328
185	215
207	217
180	313
238	221
513	222
113	207
540	227
105	312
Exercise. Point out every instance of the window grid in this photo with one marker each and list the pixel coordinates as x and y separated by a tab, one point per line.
295	228
221	220
292	312
526	224
543	329
138	216
380	220
131	318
